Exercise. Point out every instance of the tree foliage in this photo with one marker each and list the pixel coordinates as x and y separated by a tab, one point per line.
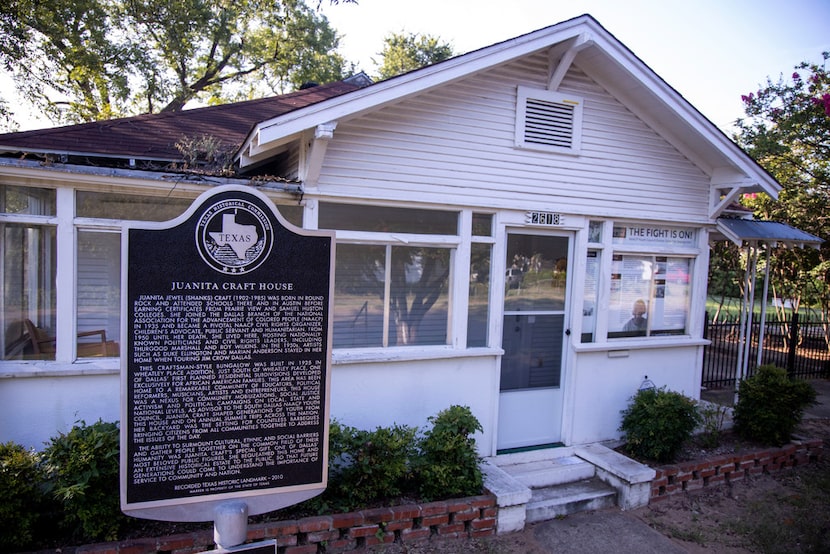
787	130
120	57
406	52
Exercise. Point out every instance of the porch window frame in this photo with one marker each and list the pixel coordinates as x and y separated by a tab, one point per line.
608	249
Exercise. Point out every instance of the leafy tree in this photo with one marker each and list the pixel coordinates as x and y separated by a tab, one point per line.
726	274
119	57
68	50
787	130
406	52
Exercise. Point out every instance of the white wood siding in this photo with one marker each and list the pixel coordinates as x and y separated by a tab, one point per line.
455	146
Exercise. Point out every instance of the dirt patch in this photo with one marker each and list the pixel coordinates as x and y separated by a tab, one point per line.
787	511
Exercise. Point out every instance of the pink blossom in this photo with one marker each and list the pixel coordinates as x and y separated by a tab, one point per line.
796	76
824	100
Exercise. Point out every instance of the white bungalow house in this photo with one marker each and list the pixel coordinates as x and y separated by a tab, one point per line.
522	229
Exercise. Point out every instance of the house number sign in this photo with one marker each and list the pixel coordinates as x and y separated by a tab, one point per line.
544	218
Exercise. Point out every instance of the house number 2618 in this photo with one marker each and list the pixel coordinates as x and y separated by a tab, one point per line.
543	218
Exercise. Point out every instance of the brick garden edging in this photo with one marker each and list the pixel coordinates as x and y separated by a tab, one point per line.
469	517
698	474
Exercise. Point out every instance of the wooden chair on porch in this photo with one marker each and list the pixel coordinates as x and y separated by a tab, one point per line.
43	344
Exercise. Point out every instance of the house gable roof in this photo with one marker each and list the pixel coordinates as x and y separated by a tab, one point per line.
154	136
265	128
581	41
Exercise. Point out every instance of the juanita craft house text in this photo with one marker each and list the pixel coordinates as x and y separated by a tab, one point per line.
208	285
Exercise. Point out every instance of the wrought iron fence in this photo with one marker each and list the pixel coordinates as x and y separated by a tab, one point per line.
799	347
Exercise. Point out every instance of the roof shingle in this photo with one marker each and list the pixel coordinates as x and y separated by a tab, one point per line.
154	136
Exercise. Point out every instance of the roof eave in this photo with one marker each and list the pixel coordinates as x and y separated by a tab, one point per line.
5	149
691	132
277	131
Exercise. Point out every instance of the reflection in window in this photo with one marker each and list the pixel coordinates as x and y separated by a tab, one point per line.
358	296
98	293
129	206
482	225
292	213
390	296
385	219
595	231
590	298
27	200
28	315
479	300
650	295
536	273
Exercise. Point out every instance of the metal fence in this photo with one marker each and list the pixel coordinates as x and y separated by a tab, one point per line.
799	347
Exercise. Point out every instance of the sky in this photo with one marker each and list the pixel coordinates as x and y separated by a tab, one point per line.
710	51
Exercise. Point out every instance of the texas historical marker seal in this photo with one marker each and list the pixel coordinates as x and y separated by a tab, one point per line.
225	370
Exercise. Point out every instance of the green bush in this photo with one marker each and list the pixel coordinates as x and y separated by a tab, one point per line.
368	465
82	474
21	496
770	405
657	423
449	462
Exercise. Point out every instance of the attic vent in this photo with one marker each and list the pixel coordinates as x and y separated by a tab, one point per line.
548	121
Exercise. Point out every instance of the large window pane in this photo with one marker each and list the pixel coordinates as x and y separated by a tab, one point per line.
351	217
28	310
536	273
359	296
390	296
98	298
479	300
419	298
649	295
671	296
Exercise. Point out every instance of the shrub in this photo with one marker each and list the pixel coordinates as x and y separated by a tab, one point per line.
713	416
82	474
449	462
368	465
770	405
657	423
21	497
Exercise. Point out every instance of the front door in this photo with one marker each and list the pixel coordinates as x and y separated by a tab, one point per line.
533	337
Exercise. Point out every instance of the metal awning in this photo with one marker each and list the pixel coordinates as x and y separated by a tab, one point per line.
754	236
773	233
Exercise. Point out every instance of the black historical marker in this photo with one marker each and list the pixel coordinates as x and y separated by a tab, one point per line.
226	371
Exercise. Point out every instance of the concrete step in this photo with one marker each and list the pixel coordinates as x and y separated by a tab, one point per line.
550	471
569	498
